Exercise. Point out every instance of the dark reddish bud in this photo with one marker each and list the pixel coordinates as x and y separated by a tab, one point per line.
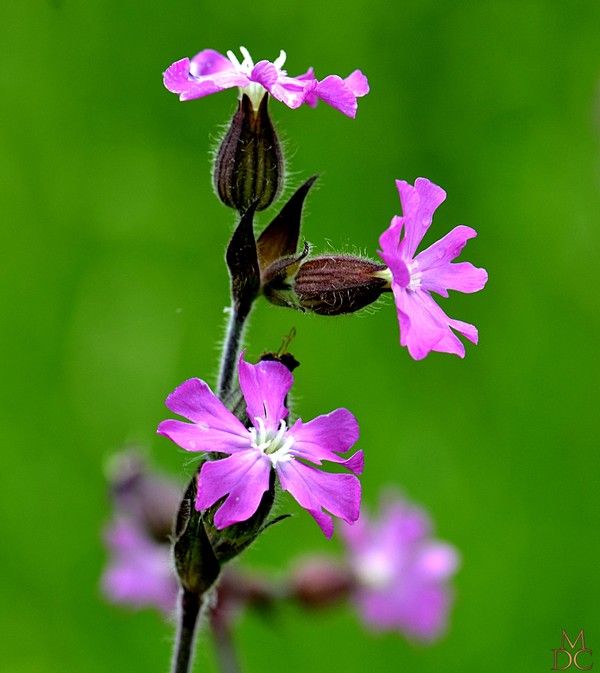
319	582
338	284
249	166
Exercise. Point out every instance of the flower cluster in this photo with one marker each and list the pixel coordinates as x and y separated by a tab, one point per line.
250	444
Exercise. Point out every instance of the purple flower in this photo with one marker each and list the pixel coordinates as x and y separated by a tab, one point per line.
402	573
268	444
140	572
424	327
209	72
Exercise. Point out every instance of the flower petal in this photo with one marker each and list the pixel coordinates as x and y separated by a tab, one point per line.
402	523
289	90
244	476
315	490
208	72
334	91
337	92
391	251
139	572
462	277
418	205
176	76
177	79
214	427
424	327
265	386
326	436
209	62
200	437
439	275
437	561
357	83
311	97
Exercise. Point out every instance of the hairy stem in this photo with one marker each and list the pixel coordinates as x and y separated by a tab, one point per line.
186	632
224	646
231	348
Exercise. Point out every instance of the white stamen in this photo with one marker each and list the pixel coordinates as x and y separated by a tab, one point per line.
234	59
280	60
273	444
375	570
247	62
416	276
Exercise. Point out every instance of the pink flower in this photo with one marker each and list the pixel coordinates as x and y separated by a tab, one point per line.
268	444
209	72
424	327
140	572
402	573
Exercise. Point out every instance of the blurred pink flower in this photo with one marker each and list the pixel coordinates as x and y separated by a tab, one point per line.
209	72
424	327
401	571
140	571
268	444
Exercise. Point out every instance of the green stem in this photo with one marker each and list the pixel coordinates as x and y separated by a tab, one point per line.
186	632
231	348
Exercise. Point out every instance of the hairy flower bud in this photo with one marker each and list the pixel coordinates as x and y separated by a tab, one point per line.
337	284
249	165
195	561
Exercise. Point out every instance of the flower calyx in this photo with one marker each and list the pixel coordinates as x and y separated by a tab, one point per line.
249	166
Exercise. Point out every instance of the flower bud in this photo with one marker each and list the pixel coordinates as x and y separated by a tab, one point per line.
195	561
337	284
319	582
144	495
249	166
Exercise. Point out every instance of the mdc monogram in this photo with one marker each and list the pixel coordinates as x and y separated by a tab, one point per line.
572	656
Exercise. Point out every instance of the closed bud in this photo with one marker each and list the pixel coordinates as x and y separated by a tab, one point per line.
320	582
337	284
195	561
249	166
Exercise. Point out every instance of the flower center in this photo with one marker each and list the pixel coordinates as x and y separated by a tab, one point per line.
273	443
253	90
246	66
375	570
416	276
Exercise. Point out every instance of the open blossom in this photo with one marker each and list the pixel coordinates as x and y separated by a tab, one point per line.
140	572
268	444
401	571
424	327
209	72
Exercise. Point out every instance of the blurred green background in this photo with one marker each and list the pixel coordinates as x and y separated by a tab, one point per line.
114	287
